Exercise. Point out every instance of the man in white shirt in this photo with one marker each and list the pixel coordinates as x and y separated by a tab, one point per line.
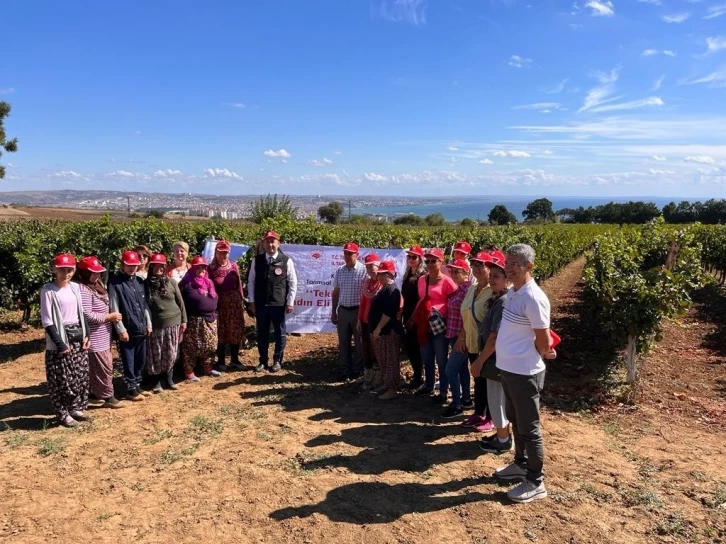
272	286
522	344
347	286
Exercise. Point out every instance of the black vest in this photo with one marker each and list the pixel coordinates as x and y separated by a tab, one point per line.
271	285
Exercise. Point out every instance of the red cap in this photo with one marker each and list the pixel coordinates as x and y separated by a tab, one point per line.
92	264
464	247
387	267
483	256
416	250
157	258
223	246
555	339
459	263
498	259
64	260
131	258
271	234
372	258
199	261
435	252
350	247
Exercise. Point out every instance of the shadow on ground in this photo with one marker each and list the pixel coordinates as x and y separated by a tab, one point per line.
10	352
711	308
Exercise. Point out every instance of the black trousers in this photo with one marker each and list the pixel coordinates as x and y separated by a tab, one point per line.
413	350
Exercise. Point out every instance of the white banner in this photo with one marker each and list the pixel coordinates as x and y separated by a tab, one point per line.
315	267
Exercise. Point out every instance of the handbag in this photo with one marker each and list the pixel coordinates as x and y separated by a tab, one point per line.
74	334
437	323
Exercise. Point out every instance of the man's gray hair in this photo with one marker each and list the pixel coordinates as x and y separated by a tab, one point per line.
522	250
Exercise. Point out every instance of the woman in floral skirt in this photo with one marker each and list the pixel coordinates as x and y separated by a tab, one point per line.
230	309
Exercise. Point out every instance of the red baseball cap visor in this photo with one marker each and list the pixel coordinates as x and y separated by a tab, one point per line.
351	247
435	252
464	247
199	261
64	260
459	263
372	258
271	234
130	258
157	258
222	246
92	264
387	267
498	259
483	257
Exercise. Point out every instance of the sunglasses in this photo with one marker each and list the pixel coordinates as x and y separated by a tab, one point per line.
143	256
477	264
412	257
431	261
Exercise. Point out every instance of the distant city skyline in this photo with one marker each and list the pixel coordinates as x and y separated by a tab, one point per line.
600	98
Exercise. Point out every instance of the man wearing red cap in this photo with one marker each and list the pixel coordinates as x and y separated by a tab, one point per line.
347	286
127	296
272	285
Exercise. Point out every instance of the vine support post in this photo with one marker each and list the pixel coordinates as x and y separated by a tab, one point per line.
630	359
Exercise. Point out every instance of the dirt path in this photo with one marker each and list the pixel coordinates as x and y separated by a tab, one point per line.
297	457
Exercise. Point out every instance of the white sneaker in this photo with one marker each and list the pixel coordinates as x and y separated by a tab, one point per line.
527	492
511	472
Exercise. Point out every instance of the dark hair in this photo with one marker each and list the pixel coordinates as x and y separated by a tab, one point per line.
83	277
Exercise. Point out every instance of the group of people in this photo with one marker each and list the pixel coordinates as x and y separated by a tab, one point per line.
480	317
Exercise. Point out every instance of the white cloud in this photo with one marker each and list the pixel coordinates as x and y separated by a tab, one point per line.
412	12
221	173
519	62
669	53
701	159
649	52
676	17
716	79
337	152
559	87
238	105
121	174
658	82
372	176
66	174
661	172
513	153
167	173
633	104
601	8
452	148
715	44
548	152
279	154
601	94
8	90
486	161
716	11
658	158
324	162
540	106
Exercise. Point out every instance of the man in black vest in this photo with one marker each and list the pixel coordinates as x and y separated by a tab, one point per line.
272	287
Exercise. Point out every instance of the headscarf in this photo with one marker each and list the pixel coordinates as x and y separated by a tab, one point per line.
157	284
201	283
83	277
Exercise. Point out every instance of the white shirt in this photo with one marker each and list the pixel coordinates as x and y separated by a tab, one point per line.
525	309
291	279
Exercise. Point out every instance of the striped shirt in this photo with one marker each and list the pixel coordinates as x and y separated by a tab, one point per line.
95	308
454	322
349	282
525	310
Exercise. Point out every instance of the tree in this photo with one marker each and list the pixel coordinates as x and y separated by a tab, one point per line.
540	209
500	215
272	207
11	146
435	220
468	222
408	219
331	212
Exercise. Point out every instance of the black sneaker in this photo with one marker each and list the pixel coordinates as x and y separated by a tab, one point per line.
276	367
423	391
494	445
467	404
452	412
438	399
261	367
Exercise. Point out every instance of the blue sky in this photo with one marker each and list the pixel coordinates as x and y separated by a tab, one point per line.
390	97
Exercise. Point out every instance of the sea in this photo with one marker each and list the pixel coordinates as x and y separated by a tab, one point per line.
479	207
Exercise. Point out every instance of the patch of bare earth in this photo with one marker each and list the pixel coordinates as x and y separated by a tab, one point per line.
299	457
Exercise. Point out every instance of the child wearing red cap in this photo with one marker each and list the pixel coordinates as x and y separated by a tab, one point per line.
127	296
66	343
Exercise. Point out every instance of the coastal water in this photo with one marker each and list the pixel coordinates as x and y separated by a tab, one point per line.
479	207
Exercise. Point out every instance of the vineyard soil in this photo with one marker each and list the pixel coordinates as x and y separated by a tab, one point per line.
299	457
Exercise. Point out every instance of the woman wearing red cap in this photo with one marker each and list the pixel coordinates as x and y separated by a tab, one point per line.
387	330
409	290
99	317
370	289
168	320
127	296
66	342
434	290
230	308
200	338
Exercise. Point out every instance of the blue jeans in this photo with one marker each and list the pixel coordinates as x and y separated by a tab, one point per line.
133	358
436	352
457	372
